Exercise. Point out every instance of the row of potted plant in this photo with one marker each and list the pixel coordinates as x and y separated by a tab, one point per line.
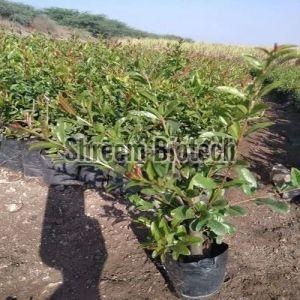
39	75
174	139
187	211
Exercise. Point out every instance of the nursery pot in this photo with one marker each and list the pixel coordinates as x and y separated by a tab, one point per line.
93	177
61	173
99	178
195	277
11	151
32	162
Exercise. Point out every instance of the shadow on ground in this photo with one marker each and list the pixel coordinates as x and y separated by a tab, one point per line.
139	230
72	243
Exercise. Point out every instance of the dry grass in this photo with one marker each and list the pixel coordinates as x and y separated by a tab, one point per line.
210	50
13	27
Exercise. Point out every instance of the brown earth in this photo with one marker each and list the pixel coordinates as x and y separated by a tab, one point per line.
72	243
45	26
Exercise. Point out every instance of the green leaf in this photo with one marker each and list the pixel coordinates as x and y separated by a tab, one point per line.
181	230
81	121
213	134
148	96
181	214
235	130
163	224
198	224
223	120
236	211
234	182
150	170
295	176
254	62
202	182
217	227
175	254
248	177
269	88
171	108
180	249
248	190
242	108
258	126
259	107
170	238
154	254
149	192
172	127
138	77
219	204
141	204
145	114
201	207
161	168
145	221
42	145
230	229
155	231
191	240
185	172
277	206
231	91
60	131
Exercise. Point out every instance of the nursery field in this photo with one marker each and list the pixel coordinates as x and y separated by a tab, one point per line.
77	236
263	262
40	75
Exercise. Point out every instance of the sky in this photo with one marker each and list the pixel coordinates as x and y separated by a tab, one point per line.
243	22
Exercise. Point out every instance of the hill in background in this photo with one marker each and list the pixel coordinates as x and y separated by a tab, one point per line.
25	16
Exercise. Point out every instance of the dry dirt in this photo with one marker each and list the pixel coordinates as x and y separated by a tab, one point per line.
72	243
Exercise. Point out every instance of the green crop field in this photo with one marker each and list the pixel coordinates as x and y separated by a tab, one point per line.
75	96
109	77
105	79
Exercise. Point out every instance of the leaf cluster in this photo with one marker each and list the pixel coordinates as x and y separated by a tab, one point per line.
119	95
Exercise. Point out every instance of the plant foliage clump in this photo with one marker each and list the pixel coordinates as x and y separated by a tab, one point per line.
80	98
289	77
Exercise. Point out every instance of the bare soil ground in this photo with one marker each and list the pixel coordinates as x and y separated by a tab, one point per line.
72	243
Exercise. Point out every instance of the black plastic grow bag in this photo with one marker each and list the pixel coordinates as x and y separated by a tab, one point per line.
11	152
94	177
196	277
61	173
32	163
99	178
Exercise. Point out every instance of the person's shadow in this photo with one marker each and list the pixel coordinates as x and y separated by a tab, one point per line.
72	243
